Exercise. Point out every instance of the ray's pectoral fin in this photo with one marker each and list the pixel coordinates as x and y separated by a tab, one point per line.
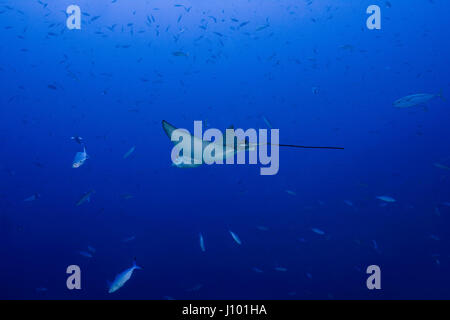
168	128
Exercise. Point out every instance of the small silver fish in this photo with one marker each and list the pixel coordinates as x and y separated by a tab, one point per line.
180	54
267	122
318	231
348	202
85	254
122	278
129	152
292	193
415	99
195	288
32	197
80	158
315	90
129	239
441	166
375	247
85	197
127	196
235	237
202	243
281	269
262	27
386	198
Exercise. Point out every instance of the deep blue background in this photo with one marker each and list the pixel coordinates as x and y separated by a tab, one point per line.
115	98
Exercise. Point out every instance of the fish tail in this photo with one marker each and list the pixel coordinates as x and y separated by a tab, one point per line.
84	150
135	266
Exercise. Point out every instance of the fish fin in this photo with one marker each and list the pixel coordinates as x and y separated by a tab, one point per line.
168	128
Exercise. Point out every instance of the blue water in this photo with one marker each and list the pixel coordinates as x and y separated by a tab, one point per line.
317	73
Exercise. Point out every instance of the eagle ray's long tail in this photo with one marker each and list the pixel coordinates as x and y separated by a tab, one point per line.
305	147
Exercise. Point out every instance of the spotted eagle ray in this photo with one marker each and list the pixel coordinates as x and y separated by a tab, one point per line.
222	151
